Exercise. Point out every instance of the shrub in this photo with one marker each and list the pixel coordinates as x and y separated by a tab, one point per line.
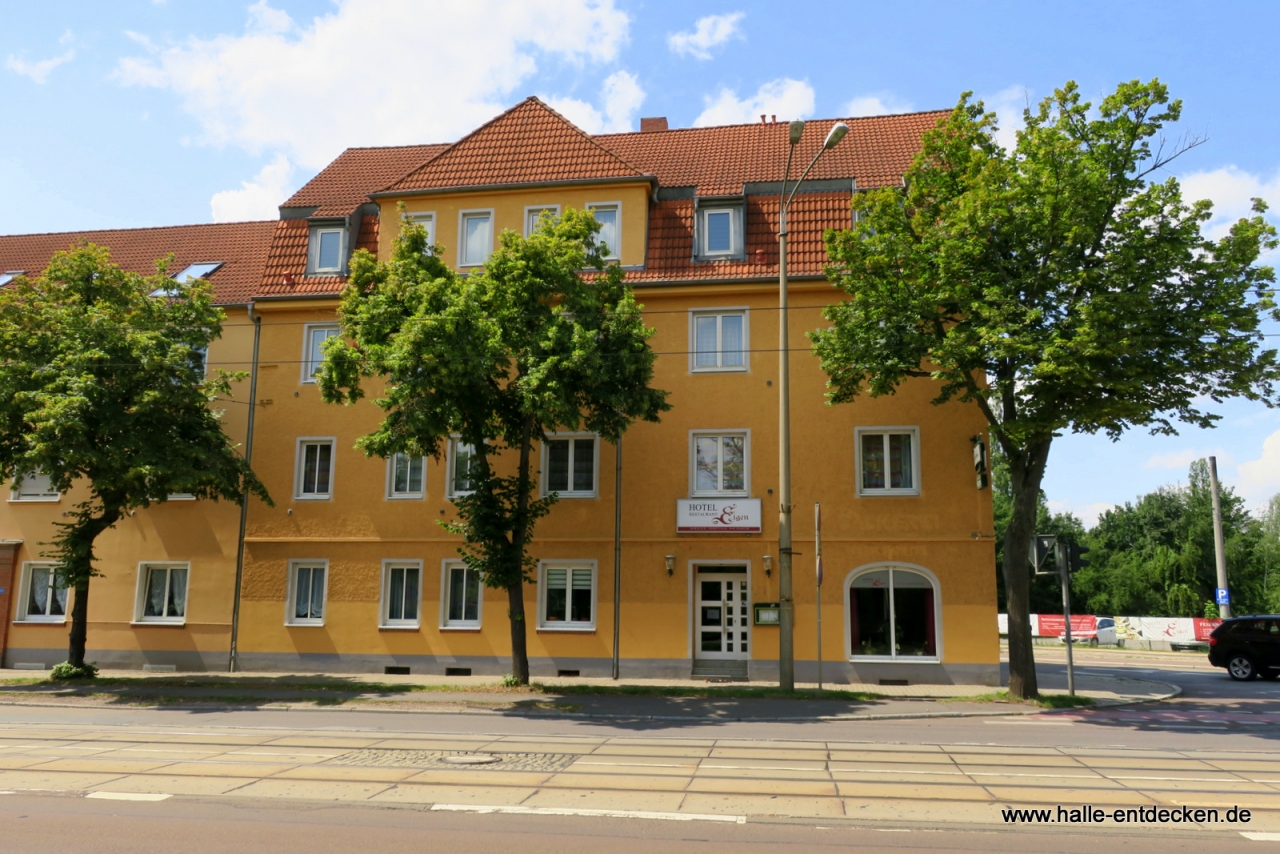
66	670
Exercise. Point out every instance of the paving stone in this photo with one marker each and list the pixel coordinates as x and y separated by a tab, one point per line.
596	799
410	793
330	790
378	757
170	785
764	805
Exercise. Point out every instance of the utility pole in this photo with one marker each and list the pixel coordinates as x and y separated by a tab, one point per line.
1220	556
617	552
1063	557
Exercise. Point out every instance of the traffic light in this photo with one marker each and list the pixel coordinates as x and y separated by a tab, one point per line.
1042	545
1078	559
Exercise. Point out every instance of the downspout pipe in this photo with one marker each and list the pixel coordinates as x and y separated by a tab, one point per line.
244	500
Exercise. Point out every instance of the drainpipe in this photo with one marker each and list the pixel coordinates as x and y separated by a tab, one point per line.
617	549
244	500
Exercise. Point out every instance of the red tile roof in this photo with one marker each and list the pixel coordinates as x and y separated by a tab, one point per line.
344	184
241	247
719	160
530	143
289	255
670	251
533	143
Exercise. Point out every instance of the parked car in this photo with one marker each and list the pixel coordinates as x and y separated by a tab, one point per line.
1104	632
1248	647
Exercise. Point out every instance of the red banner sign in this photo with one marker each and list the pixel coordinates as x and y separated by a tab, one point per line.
1053	625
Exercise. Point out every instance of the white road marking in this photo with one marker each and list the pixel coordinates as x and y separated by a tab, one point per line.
1261	837
660	816
1030	723
128	796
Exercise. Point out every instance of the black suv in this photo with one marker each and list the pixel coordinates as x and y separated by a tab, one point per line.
1248	647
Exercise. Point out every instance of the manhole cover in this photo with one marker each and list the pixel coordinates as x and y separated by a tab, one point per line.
472	759
387	758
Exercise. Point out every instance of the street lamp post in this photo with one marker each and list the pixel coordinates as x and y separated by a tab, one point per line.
786	650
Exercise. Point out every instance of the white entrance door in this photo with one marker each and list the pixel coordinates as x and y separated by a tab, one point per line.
722	619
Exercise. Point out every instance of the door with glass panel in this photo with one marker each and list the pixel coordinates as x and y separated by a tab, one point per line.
722	624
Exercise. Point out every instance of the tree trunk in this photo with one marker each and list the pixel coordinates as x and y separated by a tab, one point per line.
515	593
1026	470
79	557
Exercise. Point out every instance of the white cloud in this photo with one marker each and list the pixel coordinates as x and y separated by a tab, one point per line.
879	104
371	72
1089	514
1258	480
1182	460
1008	104
707	33
38	71
621	96
1231	189
786	98
256	199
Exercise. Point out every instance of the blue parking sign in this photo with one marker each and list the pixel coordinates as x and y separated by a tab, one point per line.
1223	596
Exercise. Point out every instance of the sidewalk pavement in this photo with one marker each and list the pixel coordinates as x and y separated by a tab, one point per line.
485	695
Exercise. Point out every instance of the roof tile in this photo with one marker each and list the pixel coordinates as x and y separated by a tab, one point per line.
242	248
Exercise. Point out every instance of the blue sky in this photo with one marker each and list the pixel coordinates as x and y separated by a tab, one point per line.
154	113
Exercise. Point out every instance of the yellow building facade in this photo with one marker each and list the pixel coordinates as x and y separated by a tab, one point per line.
350	571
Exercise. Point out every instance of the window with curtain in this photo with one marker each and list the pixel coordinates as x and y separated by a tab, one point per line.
462	597
402	586
405	476
892	615
719	464
307	602
571	467
887	462
164	593
719	341
315	469
461	456
568	597
313	357
45	599
608	236
477	238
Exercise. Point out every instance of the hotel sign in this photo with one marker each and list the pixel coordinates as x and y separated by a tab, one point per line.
718	515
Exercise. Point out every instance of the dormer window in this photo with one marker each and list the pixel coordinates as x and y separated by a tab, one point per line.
327	249
720	231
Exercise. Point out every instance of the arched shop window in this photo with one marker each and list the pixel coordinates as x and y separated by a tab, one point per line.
892	614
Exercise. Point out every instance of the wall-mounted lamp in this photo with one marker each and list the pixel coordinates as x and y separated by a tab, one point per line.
768	565
671	564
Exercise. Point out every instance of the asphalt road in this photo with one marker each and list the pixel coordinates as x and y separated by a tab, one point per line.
1216	716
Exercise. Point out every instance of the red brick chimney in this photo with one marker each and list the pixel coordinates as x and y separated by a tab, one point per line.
653	125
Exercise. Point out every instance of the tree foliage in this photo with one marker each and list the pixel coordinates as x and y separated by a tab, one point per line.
498	357
1055	286
103	386
1155	557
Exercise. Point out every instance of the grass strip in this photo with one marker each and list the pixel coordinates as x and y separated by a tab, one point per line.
1046	701
708	693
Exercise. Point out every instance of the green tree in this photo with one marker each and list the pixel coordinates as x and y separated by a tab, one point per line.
498	357
1052	286
103	385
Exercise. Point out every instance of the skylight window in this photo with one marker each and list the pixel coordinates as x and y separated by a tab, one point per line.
193	271
197	271
8	276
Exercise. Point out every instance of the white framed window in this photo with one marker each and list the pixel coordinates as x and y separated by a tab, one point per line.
313	480
720	231
475	237
461	596
326	249
458	475
406	476
426	219
570	463
401	606
533	213
313	337
718	339
567	595
33	487
42	596
720	462
180	496
888	460
609	215
162	593
308	590
893	613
